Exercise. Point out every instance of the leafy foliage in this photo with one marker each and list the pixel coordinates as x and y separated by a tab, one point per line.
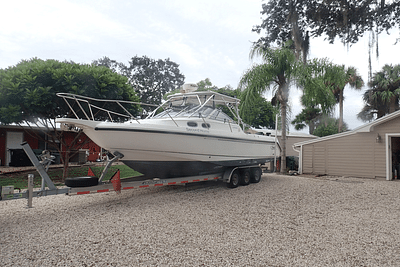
318	79
275	73
278	69
205	85
28	94
383	95
284	21
28	90
354	81
323	84
347	20
109	63
307	117
344	19
259	115
150	78
328	126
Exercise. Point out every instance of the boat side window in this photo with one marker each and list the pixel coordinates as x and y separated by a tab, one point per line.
192	123
166	113
219	115
172	112
206	111
202	112
206	125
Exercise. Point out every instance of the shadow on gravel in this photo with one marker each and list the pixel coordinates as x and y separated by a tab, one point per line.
138	196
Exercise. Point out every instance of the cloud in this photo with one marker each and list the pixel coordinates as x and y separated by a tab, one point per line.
47	19
184	52
227	14
208	38
356	55
60	22
229	62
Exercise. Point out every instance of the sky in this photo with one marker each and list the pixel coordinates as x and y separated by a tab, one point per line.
207	38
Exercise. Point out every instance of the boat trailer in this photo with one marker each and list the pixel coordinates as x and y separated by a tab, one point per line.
229	175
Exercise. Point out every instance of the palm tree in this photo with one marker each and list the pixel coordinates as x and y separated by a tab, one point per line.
386	84
307	117
374	107
318	79
275	73
321	80
355	81
383	96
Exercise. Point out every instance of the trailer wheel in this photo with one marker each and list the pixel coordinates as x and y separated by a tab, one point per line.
256	175
245	177
235	179
81	181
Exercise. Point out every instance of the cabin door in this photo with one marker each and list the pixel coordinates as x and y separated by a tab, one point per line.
13	141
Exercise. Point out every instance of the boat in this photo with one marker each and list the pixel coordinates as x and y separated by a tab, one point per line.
189	134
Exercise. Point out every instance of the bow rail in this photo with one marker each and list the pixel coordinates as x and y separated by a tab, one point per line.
86	106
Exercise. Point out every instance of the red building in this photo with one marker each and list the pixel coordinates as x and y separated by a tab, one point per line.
91	149
11	138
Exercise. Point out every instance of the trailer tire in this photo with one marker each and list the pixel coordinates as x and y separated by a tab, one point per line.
81	181
256	175
246	177
235	179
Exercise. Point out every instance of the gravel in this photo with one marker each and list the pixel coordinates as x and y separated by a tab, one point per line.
281	221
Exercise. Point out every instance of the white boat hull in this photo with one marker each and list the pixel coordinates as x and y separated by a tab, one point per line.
177	150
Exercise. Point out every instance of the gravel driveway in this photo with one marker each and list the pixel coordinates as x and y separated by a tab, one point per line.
282	221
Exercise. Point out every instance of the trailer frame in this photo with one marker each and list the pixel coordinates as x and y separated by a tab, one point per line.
227	175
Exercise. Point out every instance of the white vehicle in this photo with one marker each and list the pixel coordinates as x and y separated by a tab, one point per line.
188	135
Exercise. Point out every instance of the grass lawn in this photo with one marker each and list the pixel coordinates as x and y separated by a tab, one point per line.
20	179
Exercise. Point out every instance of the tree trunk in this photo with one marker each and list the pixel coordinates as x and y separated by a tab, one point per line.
340	128
393	104
381	111
311	127
283	139
66	164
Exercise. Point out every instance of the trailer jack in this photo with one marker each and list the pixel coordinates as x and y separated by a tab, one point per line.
41	167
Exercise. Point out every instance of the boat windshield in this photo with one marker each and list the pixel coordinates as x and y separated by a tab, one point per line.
194	111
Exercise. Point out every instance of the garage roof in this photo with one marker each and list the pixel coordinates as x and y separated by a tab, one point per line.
362	129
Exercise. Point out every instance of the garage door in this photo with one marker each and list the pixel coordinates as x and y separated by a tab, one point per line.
14	140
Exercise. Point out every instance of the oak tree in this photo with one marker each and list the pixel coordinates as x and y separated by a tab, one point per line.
28	94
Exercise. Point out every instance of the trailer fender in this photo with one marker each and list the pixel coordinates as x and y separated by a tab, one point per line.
229	171
228	174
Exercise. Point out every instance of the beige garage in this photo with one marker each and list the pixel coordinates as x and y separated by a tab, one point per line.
291	139
370	151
